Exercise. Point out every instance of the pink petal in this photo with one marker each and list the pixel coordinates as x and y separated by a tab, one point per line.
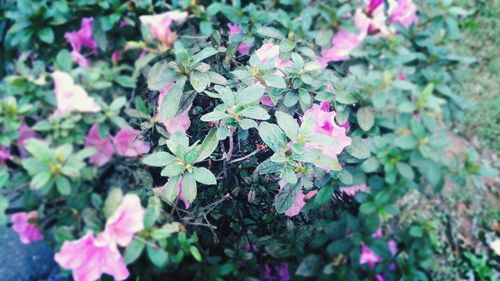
126	221
104	147
23	224
127	143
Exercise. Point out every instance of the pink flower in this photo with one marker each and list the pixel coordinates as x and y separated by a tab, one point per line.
127	143
379	277
271	52
403	12
234	29
243	48
82	38
115	56
393	247
71	97
80	59
368	256
104	147
344	42
179	123
160	25
25	133
24	223
352	190
123	23
4	154
401	77
89	258
324	124
126	221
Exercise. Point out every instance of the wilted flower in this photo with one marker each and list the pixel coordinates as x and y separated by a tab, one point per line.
403	12
126	221
104	147
82	38
160	25
25	224
127	143
71	97
89	258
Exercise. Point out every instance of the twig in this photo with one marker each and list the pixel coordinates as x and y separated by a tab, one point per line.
245	157
150	244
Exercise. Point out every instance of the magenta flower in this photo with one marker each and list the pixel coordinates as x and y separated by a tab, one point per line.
71	97
373	4
82	38
324	124
352	190
126	221
123	23
127	143
25	133
403	12
369	257
234	29
160	25
25	224
104	147
243	48
89	258
179	123
344	42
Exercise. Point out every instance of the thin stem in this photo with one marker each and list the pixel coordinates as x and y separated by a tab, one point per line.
243	158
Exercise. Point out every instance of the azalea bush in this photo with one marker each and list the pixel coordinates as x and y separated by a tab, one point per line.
208	140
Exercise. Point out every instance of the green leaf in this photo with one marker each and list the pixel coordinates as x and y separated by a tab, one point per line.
405	170
275	81
189	187
365	118
4	203
406	142
246	124
370	165
133	251
267	31
113	200
255	112
166	231
215	115
159	159
368	208
40	180
204	176
39	149
288	124
324	195
199	81
173	170
208	146
158	256
46	35
63	60
273	136
171	191
4	177
358	149
63	185
309	266
170	103
160	75
125	81
249	95
202	55
416	231
286	197
195	253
